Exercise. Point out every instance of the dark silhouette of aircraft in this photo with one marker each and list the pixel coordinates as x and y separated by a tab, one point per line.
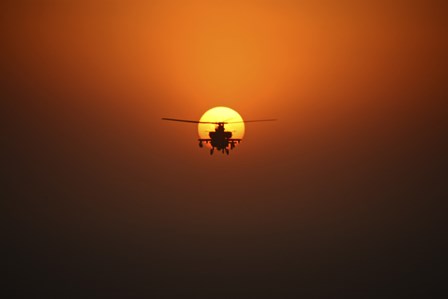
220	139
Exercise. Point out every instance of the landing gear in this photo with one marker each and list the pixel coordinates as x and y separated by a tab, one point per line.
200	144
211	151
227	151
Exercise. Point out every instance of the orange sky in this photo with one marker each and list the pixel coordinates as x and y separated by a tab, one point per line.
350	77
359	89
263	58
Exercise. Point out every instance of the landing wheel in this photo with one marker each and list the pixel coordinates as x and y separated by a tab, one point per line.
227	151
211	151
200	144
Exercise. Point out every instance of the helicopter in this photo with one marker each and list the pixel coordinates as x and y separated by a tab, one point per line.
220	139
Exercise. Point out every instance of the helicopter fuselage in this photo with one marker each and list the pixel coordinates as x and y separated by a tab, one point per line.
220	139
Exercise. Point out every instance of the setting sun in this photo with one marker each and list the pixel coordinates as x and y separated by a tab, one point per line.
221	114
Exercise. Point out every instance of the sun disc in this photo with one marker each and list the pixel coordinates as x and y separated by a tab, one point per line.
221	114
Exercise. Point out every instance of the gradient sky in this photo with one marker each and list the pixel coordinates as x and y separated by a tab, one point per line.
341	195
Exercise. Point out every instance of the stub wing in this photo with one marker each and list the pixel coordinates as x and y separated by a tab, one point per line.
237	140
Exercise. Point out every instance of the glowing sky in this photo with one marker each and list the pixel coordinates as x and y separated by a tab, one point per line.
340	196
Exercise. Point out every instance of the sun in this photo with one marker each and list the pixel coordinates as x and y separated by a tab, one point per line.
221	114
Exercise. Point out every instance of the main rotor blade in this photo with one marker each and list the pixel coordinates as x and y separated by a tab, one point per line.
216	122
188	121
250	121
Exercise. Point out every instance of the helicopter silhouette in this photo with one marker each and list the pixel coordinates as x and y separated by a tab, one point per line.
220	139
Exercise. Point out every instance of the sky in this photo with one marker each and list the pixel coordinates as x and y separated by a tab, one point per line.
341	195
